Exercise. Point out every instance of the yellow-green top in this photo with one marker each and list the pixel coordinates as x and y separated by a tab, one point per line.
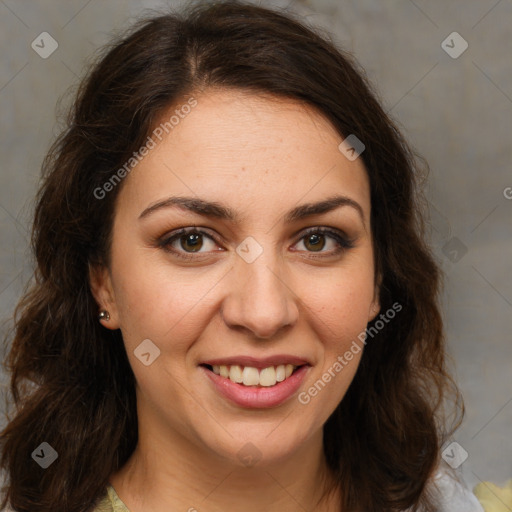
458	498
111	502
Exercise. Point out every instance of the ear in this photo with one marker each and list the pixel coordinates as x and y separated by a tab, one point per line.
375	304
101	288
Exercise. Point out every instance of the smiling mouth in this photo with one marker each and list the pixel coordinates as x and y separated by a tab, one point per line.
250	376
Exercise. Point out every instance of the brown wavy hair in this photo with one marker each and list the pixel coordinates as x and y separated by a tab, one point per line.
71	382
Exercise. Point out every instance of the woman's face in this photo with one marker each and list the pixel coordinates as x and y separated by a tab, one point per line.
253	287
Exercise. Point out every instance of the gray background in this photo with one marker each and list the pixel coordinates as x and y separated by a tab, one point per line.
456	112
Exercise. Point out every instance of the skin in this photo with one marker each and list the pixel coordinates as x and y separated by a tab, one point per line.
261	157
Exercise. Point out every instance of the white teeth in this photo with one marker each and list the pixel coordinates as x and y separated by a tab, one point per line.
268	376
235	373
250	376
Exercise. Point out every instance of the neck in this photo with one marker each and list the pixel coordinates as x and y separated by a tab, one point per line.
168	471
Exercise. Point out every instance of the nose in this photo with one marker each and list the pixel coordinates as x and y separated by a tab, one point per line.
260	300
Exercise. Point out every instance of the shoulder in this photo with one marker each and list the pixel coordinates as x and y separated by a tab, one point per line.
452	493
105	505
111	502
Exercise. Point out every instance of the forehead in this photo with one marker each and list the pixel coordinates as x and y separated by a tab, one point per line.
248	151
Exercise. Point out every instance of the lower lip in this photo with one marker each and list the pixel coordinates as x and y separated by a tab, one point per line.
254	397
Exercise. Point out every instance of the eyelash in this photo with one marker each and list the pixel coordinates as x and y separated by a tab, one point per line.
342	241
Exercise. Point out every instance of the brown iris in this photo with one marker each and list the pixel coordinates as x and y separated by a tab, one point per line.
192	240
316	242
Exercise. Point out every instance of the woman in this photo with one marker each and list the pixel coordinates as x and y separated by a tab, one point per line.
234	307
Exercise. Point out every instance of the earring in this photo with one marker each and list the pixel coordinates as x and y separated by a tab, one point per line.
104	315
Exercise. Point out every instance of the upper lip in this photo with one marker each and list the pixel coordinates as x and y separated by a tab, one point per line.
257	362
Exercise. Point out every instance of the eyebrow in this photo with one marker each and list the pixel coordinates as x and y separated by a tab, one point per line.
216	210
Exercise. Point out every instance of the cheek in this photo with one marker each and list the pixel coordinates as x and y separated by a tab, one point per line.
340	302
339	316
169	307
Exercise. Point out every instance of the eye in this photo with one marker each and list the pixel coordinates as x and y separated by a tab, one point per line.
188	242
314	240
